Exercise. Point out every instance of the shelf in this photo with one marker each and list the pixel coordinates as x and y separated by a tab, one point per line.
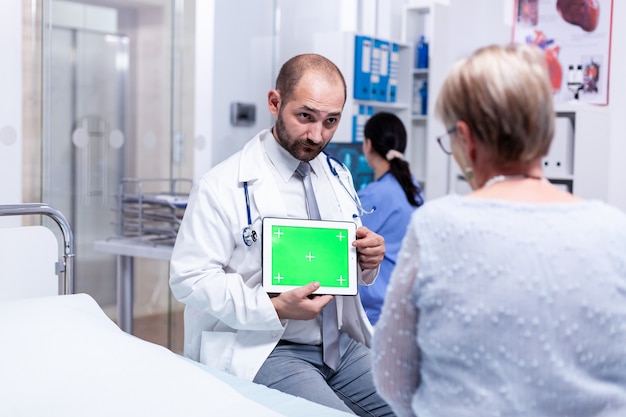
341	48
573	106
423	8
560	177
589	148
382	104
416	22
431	19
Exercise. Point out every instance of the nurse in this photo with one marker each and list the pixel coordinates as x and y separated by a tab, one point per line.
394	193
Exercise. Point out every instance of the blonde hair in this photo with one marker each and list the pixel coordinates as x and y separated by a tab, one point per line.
504	95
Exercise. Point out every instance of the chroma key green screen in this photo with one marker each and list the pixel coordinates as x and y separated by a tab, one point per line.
302	255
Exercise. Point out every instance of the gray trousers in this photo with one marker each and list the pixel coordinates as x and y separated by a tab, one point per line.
299	370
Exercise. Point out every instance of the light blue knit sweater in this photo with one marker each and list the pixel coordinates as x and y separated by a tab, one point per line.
506	309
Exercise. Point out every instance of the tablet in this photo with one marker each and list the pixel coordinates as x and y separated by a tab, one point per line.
297	252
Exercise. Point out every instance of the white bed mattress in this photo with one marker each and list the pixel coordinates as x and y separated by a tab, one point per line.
62	356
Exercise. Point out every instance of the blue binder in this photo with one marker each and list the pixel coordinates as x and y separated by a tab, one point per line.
375	75
362	67
360	116
382	48
355	123
357	129
394	67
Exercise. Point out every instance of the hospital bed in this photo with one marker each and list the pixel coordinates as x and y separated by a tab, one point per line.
62	356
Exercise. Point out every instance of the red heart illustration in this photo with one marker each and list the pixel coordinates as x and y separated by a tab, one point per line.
583	13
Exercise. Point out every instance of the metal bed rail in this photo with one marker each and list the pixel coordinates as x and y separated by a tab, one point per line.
66	284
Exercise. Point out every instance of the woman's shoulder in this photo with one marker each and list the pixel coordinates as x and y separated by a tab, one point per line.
460	207
607	213
442	210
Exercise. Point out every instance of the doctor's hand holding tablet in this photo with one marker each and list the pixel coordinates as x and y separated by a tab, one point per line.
370	247
300	303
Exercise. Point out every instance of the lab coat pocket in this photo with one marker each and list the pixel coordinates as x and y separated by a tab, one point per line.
216	349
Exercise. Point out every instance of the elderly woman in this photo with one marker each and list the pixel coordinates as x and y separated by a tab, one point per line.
511	300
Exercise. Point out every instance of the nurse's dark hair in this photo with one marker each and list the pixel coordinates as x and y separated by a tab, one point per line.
292	71
387	132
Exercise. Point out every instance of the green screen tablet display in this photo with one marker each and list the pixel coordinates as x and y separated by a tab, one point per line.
297	252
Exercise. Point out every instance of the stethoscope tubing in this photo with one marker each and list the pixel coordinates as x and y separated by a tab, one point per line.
360	209
249	235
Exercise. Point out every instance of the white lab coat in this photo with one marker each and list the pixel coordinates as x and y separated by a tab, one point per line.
230	322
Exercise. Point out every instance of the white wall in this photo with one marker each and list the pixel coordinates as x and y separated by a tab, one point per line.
469	29
246	46
11	107
476	23
234	64
617	107
300	20
467	34
239	62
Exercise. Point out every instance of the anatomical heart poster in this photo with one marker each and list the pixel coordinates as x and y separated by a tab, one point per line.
575	36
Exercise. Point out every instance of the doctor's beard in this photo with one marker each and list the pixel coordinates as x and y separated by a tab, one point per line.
301	149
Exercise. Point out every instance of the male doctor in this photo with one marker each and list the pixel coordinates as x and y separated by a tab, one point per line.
231	323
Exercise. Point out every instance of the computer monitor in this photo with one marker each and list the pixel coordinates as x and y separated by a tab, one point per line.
351	154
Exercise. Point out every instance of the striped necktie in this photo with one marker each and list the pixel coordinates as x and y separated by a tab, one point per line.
330	325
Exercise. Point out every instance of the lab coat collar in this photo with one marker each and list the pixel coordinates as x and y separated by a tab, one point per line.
252	161
265	197
282	160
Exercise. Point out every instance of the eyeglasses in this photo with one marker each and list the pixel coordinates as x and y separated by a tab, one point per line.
444	141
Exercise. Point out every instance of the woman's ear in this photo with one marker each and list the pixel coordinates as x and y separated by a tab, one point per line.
463	150
467	140
367	145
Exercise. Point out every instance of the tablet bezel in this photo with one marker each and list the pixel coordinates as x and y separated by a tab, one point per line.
351	254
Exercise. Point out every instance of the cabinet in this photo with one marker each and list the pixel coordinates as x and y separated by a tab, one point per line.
340	47
431	167
585	155
579	156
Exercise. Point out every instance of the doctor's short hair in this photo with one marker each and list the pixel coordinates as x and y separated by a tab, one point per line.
504	95
294	69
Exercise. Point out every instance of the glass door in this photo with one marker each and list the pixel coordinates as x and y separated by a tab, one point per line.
84	147
115	92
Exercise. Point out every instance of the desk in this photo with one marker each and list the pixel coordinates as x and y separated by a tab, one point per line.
126	249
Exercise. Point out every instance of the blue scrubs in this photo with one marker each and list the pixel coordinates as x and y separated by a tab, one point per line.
390	220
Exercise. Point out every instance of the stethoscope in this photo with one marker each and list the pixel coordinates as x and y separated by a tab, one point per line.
359	207
249	235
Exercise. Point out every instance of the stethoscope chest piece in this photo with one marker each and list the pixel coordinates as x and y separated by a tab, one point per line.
249	235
